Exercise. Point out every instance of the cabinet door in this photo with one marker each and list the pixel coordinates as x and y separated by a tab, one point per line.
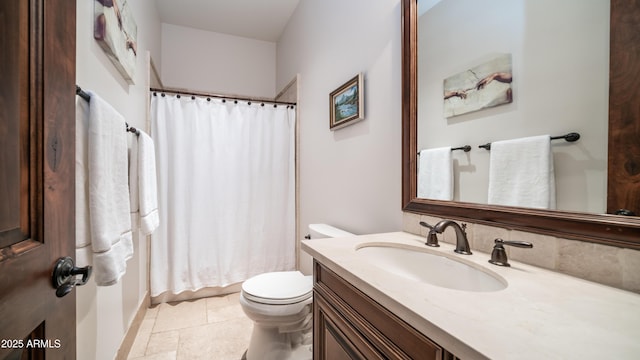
360	326
335	338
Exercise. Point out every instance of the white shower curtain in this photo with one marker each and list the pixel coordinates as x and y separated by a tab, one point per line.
226	189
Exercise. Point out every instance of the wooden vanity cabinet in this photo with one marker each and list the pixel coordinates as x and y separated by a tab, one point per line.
347	324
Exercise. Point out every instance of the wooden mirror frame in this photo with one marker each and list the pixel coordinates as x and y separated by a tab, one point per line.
624	101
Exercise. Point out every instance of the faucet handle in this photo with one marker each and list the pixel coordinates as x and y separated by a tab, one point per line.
499	255
432	237
422	223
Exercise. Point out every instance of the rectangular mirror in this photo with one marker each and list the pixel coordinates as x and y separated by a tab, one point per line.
615	155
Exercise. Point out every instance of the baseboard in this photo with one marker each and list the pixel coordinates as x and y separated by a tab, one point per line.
130	337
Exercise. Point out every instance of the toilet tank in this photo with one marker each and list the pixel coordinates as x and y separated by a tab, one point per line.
321	231
318	231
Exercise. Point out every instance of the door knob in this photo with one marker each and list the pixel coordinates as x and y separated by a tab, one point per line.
65	276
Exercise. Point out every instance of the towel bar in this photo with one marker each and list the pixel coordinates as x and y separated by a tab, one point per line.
570	137
131	129
87	98
465	148
82	94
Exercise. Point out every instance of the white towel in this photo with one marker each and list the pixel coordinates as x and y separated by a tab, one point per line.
435	174
134	194
148	188
521	173
83	229
109	207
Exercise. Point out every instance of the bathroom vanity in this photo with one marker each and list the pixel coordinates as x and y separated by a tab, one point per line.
350	325
402	300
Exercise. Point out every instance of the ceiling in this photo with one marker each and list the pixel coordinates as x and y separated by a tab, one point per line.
254	19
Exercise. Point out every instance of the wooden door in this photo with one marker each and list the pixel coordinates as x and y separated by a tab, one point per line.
37	161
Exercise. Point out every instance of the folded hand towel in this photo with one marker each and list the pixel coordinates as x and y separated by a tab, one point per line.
521	173
435	174
147	185
109	206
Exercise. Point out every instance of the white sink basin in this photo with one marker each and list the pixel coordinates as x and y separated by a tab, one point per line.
431	267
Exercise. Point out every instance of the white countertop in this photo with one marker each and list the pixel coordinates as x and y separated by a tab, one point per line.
540	315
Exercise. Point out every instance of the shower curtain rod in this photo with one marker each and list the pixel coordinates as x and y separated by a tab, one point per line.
193	94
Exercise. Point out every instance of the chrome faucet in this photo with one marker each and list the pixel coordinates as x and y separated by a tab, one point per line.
462	244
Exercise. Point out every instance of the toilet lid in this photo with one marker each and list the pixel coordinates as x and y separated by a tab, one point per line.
282	287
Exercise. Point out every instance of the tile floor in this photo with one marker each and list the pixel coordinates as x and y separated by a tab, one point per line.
209	328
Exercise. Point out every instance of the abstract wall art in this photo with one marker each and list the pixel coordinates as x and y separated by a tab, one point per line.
116	32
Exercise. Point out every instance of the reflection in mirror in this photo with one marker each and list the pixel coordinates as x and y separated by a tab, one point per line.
623	154
558	55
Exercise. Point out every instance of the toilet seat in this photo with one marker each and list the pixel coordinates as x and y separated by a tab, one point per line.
278	288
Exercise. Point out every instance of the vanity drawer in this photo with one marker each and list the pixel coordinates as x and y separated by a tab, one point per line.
350	325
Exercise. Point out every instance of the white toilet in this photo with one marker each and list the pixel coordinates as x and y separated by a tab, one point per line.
279	303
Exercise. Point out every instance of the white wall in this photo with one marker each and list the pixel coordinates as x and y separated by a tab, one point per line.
349	178
104	314
560	81
217	63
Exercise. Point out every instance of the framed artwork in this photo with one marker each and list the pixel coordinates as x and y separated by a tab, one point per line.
346	103
116	32
484	86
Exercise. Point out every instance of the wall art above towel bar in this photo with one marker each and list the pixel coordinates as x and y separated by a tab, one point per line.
83	94
570	137
465	148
